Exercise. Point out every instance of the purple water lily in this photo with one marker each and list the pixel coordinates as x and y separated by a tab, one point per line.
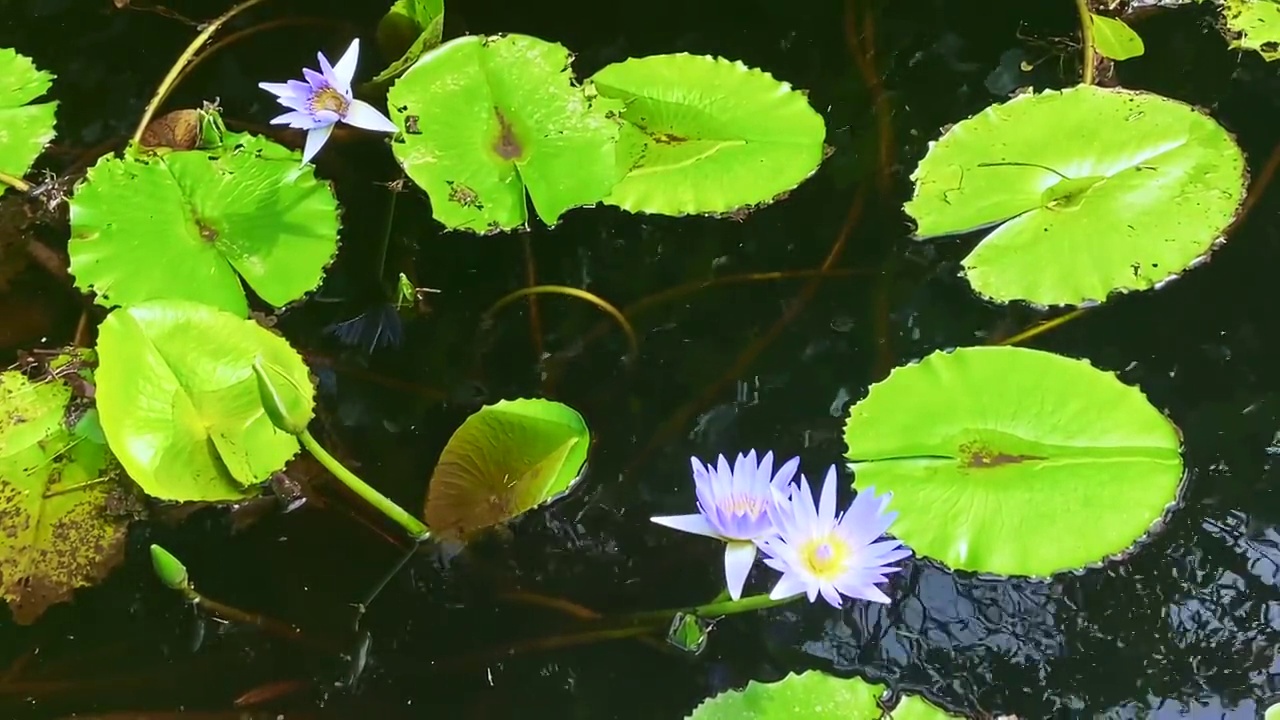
821	553
324	100
734	506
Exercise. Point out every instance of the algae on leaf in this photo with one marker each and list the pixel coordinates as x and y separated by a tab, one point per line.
484	119
812	695
57	487
504	460
183	414
1091	191
1012	461
197	224
706	135
25	129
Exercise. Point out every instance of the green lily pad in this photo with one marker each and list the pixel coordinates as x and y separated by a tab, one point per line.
814	696
195	224
25	129
1093	190
707	135
1013	461
408	30
1114	39
183	413
504	460
57	487
485	119
1253	25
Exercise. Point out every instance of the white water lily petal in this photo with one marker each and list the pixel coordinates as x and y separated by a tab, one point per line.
316	138
363	115
738	559
696	524
345	71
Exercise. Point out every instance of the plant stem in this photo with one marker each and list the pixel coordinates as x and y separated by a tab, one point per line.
1086	40
711	609
416	529
171	79
16	183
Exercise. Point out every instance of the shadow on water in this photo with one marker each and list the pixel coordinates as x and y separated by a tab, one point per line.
1188	624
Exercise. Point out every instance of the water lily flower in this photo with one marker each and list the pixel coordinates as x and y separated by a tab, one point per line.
734	507
821	553
324	100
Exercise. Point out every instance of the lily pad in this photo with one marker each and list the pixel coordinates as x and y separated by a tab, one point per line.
814	696
1093	190
184	414
408	30
1012	461
486	118
1114	39
1253	25
707	135
504	460
25	129
196	224
57	487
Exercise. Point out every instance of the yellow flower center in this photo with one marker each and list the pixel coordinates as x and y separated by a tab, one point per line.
331	100
825	557
749	505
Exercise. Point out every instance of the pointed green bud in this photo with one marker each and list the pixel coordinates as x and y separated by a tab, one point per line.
170	569
288	407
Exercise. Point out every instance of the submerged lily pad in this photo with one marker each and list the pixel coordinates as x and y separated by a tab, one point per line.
814	696
408	30
1253	25
57	485
504	460
706	135
485	119
184	414
1014	461
1093	190
25	129
195	224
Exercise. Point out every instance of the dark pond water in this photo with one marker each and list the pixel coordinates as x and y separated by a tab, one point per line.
1186	627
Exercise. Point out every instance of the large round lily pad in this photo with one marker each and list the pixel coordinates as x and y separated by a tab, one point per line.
194	224
504	460
814	696
1253	25
707	135
484	119
25	129
57	486
180	402
1093	191
1013	461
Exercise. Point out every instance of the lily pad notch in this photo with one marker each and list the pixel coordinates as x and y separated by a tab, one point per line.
1086	192
485	120
1015	462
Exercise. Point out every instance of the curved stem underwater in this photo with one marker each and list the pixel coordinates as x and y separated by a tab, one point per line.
171	79
16	183
412	525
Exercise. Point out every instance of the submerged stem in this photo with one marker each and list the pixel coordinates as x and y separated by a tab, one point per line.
171	79
711	609
416	529
1086	40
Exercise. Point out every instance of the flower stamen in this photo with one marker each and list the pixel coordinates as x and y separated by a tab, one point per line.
329	99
